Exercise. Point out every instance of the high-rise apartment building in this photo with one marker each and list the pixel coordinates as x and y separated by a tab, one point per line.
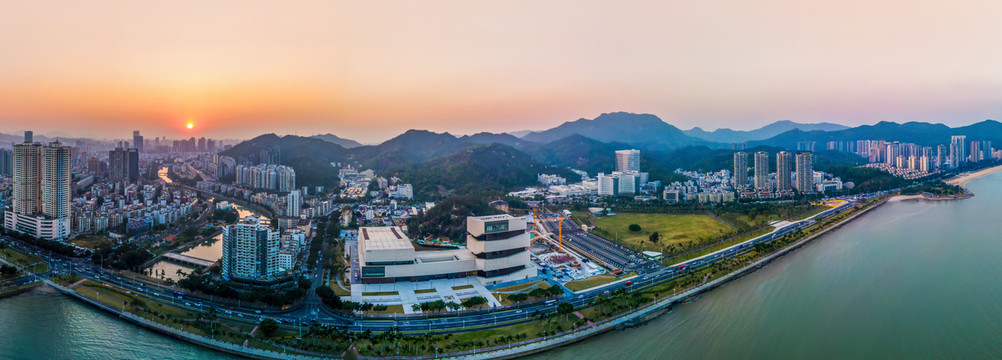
56	180
958	150
27	164
41	192
761	170
250	250
293	203
93	166
6	162
628	160
137	140
740	169
118	164
805	172
783	160
133	165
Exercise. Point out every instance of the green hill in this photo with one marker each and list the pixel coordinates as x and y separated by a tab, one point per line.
478	169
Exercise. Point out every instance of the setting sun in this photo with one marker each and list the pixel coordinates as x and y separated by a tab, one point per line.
190	125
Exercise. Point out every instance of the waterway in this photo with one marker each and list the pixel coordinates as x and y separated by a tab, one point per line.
211	250
908	280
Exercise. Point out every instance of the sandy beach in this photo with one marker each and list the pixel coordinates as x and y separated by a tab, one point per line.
963	179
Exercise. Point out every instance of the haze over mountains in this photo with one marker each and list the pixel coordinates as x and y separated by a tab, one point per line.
765	132
441	164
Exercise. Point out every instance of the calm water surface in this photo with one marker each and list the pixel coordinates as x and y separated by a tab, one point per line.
211	250
909	280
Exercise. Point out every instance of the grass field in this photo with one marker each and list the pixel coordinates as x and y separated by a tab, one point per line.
14	256
718	246
672	228
89	241
520	288
578	285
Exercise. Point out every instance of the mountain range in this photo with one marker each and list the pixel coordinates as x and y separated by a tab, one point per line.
334	139
442	164
765	132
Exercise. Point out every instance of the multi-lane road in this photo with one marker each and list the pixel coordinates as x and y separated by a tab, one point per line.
312	311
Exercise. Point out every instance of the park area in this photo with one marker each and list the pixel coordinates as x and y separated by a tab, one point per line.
671	228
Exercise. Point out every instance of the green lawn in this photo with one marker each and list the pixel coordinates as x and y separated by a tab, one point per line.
523	287
578	285
23	259
89	241
718	246
673	229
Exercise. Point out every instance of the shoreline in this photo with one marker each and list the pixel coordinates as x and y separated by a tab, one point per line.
962	180
660	307
638	317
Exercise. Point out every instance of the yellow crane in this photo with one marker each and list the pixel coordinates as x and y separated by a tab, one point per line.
560	227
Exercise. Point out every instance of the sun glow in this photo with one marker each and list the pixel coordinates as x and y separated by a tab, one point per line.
190	125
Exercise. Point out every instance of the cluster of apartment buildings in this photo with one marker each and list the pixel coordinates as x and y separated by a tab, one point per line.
141	208
354	183
710	187
793	172
279	178
253	251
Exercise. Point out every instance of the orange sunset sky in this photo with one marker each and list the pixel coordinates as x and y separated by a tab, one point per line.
368	70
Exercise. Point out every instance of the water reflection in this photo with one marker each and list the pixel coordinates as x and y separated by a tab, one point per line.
211	250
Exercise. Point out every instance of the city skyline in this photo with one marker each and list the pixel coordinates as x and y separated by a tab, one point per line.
334	67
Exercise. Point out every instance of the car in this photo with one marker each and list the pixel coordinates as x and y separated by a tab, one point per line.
519	311
257	311
628	283
240	315
187	304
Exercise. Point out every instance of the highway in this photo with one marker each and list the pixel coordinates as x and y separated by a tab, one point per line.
311	311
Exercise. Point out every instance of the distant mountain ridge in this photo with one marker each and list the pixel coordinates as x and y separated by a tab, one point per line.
334	139
725	135
640	130
920	133
441	164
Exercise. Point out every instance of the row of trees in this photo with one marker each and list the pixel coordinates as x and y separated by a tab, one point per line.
205	284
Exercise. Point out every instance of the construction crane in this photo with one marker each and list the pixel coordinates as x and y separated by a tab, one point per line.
560	227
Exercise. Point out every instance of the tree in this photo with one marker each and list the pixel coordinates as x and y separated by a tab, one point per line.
268	327
565	308
655	237
634	227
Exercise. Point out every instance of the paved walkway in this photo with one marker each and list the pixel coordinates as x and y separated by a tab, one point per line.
408	299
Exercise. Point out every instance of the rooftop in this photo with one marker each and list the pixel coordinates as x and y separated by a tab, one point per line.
492	217
384	238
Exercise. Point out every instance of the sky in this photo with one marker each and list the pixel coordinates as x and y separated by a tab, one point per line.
369	70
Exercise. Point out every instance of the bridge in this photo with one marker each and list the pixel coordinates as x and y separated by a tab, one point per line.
188	260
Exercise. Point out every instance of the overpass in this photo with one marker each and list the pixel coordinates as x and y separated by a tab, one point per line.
188	260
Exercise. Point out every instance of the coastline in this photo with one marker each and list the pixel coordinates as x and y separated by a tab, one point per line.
962	180
637	317
655	309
